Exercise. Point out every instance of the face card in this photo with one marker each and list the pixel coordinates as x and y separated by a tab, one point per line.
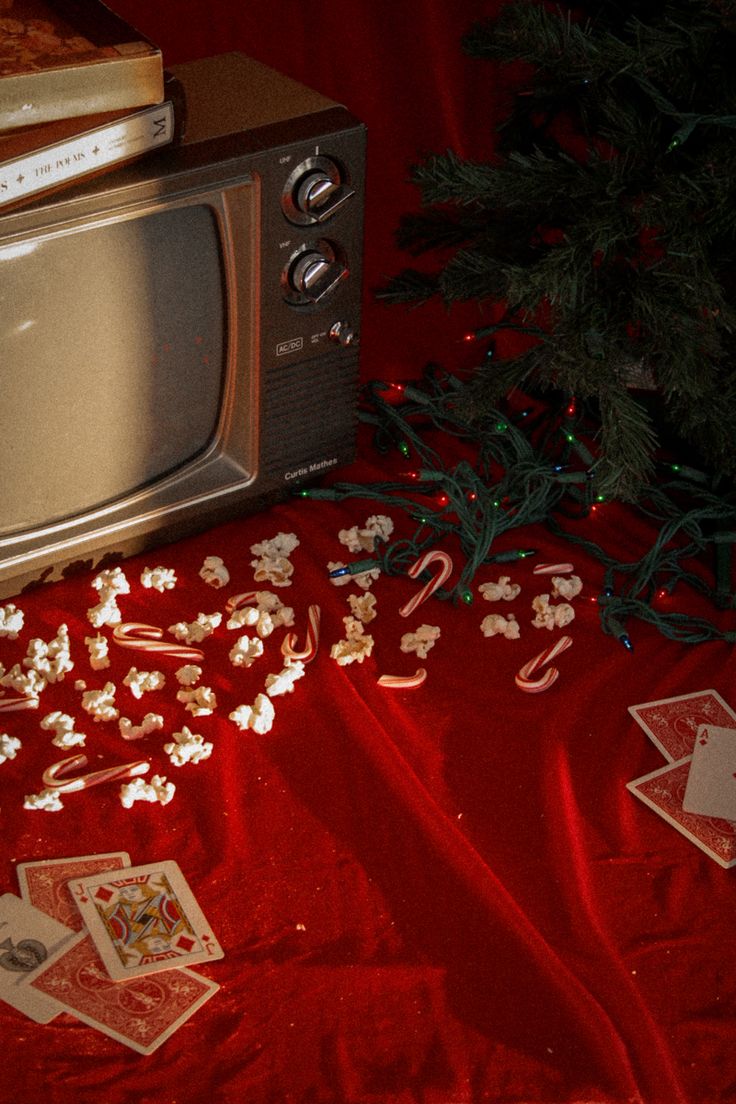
663	790
711	783
141	1012
45	883
144	919
28	939
672	723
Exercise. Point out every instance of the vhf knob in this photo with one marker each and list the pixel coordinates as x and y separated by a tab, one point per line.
315	272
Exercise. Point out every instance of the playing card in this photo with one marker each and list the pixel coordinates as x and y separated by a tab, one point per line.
144	919
671	723
664	789
44	883
711	783
141	1012
28	939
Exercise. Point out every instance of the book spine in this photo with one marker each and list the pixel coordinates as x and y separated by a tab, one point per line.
86	153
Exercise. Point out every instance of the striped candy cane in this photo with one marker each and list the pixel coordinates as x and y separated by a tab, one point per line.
288	647
445	570
147	638
403	682
237	600
553	569
9	705
52	780
523	678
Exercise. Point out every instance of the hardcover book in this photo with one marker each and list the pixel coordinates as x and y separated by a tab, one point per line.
69	58
41	159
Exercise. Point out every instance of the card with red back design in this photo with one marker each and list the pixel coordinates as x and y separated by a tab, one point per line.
663	790
43	882
672	723
144	919
141	1013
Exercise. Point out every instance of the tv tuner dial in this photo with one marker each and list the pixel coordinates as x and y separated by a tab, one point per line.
315	191
313	273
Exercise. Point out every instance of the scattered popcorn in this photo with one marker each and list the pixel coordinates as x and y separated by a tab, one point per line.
278	572
108	584
502	591
259	717
200	702
246	651
187	747
9	747
495	624
283	544
105	613
264	602
158	789
566	588
274	565
356	646
11	621
363	606
158	578
551	617
152	722
141	682
420	641
49	800
188	674
364	579
52	660
194	632
111	581
378	527
98	651
63	727
283	683
100	704
214	572
30	683
251	617
272	604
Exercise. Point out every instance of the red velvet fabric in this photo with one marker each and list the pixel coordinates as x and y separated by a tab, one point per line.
436	896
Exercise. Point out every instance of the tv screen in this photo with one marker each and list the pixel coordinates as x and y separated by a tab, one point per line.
113	360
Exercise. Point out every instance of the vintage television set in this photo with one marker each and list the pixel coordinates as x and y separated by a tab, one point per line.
178	337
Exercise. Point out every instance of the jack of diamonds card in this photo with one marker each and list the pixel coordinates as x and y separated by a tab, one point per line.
672	723
144	919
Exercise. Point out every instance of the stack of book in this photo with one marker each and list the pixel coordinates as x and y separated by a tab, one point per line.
80	91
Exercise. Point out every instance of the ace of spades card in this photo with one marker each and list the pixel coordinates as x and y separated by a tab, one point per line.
144	919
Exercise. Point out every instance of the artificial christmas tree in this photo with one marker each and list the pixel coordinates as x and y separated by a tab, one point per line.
602	229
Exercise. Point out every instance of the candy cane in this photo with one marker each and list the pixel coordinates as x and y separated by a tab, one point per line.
238	600
429	588
8	705
403	682
147	638
523	678
288	646
553	569
84	781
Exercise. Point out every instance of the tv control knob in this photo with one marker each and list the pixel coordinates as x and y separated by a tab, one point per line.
315	191
315	272
320	195
342	333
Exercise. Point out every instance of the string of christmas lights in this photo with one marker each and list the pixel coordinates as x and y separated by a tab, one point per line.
534	466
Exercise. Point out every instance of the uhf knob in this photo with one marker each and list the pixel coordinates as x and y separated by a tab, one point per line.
315	191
